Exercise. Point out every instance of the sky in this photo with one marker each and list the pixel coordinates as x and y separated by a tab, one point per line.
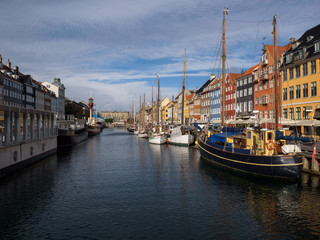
110	49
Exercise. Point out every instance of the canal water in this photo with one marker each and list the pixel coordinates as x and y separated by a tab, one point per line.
116	186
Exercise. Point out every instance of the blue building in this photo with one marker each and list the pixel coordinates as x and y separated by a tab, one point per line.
215	100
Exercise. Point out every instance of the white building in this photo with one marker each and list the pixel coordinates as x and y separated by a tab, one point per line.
58	88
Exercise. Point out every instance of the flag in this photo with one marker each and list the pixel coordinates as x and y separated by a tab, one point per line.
314	152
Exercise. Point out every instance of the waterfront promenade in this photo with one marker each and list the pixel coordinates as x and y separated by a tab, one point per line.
117	186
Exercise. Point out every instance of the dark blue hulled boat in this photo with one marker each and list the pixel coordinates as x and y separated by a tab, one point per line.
263	152
252	156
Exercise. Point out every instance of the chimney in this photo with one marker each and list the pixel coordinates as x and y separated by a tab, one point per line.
292	40
16	70
8	64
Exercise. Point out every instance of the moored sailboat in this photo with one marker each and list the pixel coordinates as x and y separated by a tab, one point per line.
180	135
142	130
157	138
263	152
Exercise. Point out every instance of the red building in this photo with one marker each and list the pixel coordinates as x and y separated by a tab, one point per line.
230	103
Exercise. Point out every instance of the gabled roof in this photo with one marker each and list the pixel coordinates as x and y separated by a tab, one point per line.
233	76
249	71
203	86
26	79
308	38
280	49
189	97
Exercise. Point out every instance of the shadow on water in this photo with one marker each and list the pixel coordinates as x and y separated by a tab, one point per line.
233	175
278	207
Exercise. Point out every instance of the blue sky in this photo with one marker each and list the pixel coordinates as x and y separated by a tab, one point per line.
111	49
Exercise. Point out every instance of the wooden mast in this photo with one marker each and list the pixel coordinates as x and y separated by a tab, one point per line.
144	112
132	120
275	67
152	107
225	12
158	103
183	87
140	115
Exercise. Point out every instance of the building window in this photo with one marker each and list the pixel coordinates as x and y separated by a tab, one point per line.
250	106
245	92
271	83
285	75
317	46
271	98
256	87
271	114
305	69
305	90
261	114
298	91
266	114
305	113
313	67
271	69
291	93
313	89
257	100
291	73
298	71
261	85
285	113
266	85
291	113
284	94
250	91
298	113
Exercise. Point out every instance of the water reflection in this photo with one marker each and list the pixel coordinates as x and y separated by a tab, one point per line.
24	193
118	186
277	207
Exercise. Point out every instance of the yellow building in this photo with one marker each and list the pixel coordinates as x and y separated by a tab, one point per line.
165	116
300	93
164	102
175	114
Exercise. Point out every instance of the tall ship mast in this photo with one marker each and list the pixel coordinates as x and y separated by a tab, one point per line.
183	87
256	151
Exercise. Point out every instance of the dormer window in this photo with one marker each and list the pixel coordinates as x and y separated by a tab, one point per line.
288	58
294	45
317	46
309	38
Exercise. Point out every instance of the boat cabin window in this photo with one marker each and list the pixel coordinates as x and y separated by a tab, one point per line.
269	136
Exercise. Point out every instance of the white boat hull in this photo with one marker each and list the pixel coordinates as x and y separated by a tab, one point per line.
136	132
143	135
184	140
158	140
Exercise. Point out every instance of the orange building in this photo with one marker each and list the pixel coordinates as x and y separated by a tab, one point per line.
264	82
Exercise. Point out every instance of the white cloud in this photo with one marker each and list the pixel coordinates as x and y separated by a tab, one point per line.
119	43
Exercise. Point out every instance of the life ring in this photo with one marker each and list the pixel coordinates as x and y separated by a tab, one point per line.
270	145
